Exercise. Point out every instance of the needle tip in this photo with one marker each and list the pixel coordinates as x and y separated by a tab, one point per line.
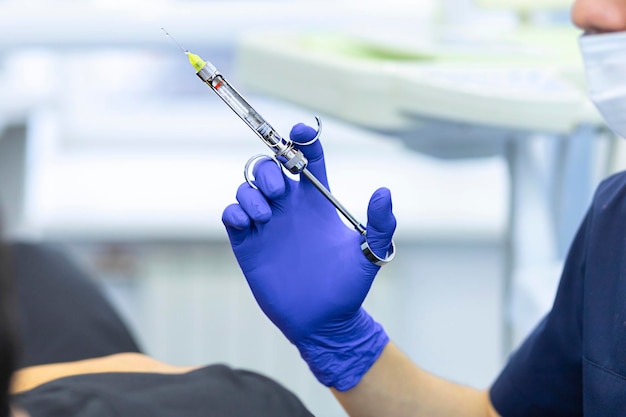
186	51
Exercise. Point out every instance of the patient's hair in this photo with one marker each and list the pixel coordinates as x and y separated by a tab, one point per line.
8	331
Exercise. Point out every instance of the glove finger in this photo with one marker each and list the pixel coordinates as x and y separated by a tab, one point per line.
313	152
254	203
381	223
237	223
268	177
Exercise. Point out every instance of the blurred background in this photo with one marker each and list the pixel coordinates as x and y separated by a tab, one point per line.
473	113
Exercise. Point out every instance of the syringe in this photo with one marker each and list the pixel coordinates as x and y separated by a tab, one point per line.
291	158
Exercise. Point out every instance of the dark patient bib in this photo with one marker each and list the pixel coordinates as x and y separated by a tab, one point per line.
213	391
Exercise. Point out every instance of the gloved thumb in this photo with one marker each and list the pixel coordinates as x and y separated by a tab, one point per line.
381	223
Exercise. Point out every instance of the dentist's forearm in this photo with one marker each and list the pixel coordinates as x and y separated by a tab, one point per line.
394	387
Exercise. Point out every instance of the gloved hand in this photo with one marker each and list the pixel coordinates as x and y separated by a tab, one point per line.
305	266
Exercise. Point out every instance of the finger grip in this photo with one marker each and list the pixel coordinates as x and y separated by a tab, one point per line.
248	170
315	138
313	151
378	246
375	259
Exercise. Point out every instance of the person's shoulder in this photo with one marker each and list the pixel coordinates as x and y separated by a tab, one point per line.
32	248
42	252
612	190
40	259
615	180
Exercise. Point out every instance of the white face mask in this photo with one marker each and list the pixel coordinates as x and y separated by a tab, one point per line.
605	64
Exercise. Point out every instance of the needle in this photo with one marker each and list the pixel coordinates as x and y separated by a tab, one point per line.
175	41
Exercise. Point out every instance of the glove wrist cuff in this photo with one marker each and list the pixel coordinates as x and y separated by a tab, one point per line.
341	359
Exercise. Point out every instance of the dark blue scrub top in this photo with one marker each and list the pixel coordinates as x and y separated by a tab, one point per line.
574	362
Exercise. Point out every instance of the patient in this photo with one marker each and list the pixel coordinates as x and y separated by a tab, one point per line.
75	357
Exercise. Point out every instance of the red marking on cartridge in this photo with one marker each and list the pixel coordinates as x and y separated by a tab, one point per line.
218	85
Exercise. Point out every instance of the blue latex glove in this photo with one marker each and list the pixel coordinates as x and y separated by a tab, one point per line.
305	266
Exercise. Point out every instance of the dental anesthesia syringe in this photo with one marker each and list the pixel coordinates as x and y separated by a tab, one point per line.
285	152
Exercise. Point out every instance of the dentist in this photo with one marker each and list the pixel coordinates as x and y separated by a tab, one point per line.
308	275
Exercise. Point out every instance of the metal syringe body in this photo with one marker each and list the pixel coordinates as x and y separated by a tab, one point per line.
292	159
